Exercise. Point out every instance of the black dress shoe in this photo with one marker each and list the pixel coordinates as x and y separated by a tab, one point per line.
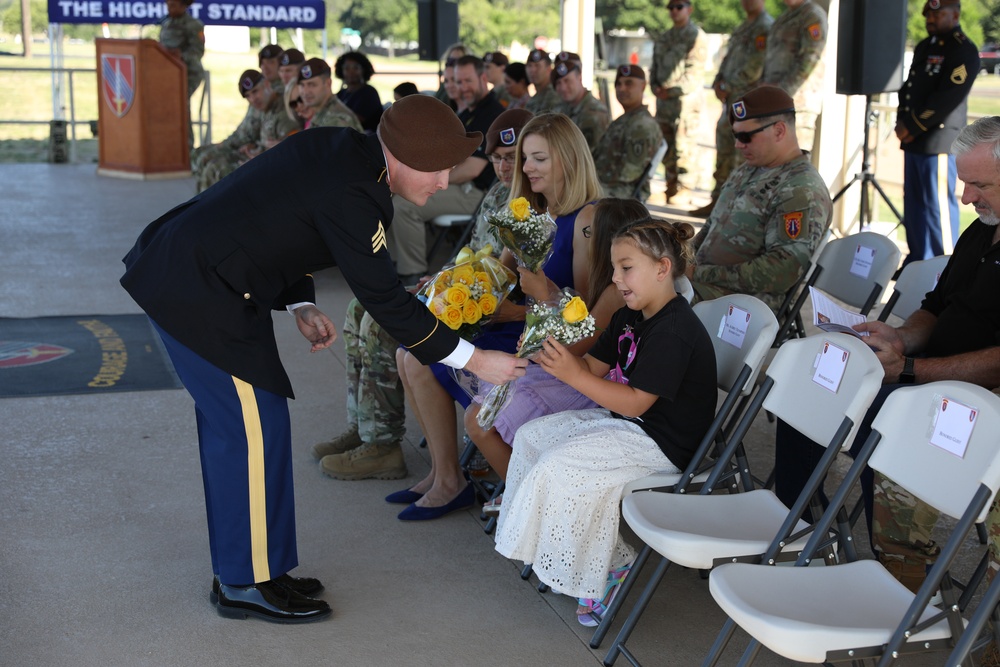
302	585
270	601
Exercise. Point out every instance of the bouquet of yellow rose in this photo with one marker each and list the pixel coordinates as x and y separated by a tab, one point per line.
465	295
565	318
527	234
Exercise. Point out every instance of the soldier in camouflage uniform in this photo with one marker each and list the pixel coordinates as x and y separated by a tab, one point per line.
955	333
289	64
625	150
496	64
586	111
269	61
317	92
772	211
539	68
680	57
371	445
794	61
215	162
738	73
184	36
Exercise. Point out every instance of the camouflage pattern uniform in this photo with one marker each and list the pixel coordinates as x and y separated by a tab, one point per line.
187	35
763	232
680	57
544	101
335	113
624	153
483	232
590	115
794	61
503	97
213	163
375	399
901	532
739	72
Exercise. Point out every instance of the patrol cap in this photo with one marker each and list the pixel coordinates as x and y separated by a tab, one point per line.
269	51
629	72
538	55
496	58
566	62
425	134
761	102
291	57
932	5
249	80
313	68
506	128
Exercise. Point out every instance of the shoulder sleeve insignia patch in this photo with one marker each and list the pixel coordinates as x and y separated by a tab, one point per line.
760	43
793	224
959	75
378	239
815	31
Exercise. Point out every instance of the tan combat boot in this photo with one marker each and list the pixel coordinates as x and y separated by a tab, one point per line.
369	461
911	575
344	442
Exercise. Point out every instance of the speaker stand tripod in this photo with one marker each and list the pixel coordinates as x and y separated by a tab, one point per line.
866	176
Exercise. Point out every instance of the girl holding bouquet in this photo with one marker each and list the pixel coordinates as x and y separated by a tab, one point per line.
554	171
652	372
538	393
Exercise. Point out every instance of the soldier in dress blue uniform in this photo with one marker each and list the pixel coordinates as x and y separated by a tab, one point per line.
209	272
932	111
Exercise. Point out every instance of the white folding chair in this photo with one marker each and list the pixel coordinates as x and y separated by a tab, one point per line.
939	442
738	360
701	531
914	282
647	176
855	269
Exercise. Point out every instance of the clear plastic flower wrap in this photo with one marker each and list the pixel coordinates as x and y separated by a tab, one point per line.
526	233
466	295
565	318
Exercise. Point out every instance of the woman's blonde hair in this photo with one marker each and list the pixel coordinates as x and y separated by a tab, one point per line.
291	92
569	149
659	239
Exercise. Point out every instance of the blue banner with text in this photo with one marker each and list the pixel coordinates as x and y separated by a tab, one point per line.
309	14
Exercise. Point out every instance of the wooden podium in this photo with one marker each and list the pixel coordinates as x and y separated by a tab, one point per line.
142	110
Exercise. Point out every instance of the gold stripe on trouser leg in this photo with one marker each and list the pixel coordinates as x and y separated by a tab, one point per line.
255	480
944	208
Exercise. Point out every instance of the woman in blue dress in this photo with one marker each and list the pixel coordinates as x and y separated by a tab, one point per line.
555	173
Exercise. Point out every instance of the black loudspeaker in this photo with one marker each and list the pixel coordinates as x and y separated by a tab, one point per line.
870	43
437	27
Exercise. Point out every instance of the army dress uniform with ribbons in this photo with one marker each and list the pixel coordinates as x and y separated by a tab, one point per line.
933	105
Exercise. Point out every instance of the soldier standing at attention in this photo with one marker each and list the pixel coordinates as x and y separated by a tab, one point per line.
793	60
680	56
739	72
317	93
586	111
184	36
932	111
624	152
773	209
539	67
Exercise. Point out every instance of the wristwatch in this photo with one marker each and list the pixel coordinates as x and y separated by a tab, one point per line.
907	376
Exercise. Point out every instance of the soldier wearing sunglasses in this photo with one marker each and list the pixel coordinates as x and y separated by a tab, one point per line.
772	212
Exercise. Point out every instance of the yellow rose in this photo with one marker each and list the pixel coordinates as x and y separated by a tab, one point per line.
520	208
471	313
452	317
442	281
488	304
464	274
457	294
483	278
437	305
575	311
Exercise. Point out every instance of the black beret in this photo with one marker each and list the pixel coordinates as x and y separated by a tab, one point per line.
249	80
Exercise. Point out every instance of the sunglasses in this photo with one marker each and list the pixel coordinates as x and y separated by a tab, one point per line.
747	137
677	8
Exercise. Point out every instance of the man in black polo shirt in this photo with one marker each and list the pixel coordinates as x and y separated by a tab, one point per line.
466	184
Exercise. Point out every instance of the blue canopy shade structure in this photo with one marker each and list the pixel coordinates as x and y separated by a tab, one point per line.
310	14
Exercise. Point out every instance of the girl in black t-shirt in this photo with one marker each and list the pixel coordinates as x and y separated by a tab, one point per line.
653	373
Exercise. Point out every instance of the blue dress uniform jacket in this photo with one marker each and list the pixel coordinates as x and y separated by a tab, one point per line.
933	101
210	271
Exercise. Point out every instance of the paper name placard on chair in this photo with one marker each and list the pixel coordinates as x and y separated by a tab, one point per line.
953	426
830	366
864	258
734	325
